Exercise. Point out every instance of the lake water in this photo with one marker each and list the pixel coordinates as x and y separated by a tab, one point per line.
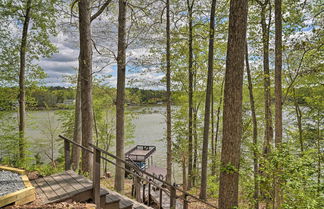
149	130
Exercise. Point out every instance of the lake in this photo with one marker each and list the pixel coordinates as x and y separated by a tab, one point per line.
149	130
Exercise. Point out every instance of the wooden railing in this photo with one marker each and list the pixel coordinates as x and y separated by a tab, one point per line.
138	175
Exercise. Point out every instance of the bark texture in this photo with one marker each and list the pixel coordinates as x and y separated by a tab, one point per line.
190	92
22	91
77	133
209	89
278	94
268	135
232	113
255	131
120	100
85	65
168	86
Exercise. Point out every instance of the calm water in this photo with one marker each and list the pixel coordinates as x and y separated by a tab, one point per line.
149	129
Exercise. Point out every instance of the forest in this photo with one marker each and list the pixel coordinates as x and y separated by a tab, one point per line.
240	82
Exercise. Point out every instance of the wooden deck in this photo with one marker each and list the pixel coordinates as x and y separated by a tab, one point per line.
63	186
69	186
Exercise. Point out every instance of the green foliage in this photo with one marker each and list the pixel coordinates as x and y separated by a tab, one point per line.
43	17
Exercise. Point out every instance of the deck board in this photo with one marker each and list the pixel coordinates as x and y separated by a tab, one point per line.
64	184
60	192
46	189
60	187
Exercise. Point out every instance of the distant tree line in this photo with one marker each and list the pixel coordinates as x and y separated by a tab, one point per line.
58	97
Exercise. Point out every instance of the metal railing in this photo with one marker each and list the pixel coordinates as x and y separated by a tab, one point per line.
138	175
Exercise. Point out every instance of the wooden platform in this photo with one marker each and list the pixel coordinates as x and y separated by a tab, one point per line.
63	186
69	186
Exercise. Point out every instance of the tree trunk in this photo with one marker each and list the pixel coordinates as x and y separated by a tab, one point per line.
77	134
184	174
217	129
267	189
299	117
204	161
168	86
319	154
85	64
195	149
232	113
278	95
268	135
213	153
190	92
22	91
255	132
120	100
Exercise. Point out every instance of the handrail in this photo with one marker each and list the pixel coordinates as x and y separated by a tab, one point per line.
186	194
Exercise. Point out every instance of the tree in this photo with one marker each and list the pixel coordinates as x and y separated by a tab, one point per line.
85	65
255	130
268	135
120	99
190	6
209	89
232	116
278	93
33	44
168	94
77	133
22	93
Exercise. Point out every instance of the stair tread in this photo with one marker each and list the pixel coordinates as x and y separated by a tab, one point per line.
123	203
140	207
110	198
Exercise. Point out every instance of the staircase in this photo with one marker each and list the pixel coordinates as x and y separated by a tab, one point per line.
69	186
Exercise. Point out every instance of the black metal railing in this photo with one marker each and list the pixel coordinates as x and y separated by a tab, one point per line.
138	175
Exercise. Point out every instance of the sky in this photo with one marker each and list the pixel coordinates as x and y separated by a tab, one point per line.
65	62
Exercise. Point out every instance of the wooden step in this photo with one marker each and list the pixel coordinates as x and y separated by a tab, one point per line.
112	202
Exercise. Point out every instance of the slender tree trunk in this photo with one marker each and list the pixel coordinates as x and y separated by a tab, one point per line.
204	161
168	85
22	91
217	126
255	132
213	152
278	69
77	134
190	92
85	64
120	100
195	148
267	189
319	170
184	174
299	117
267	97
278	96
232	116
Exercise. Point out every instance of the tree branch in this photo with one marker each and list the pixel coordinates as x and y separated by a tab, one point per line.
100	10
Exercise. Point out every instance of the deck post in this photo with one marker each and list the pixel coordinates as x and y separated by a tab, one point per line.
138	189
161	200
149	194
144	192
173	194
67	155
96	177
185	202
